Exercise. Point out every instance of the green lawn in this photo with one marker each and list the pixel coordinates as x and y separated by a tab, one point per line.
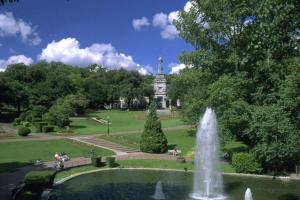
122	121
16	154
179	138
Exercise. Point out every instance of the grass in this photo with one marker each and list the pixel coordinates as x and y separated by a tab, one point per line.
179	138
71	171
122	121
164	164
17	154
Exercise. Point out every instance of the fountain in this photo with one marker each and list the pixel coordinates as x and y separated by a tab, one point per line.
208	181
159	194
248	194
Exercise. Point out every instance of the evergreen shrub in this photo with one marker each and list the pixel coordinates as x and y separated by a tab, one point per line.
23	131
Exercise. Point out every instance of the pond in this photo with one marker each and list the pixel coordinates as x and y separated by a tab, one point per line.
125	184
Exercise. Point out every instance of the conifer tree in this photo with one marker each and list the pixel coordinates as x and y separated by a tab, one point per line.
153	139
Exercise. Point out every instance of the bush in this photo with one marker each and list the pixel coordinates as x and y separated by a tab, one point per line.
37	181
245	163
235	147
110	161
48	129
153	139
24	131
39	126
17	121
96	161
36	119
26	124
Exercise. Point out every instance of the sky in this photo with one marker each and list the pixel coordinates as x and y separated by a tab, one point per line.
115	33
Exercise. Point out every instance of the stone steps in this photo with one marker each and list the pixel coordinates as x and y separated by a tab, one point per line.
119	149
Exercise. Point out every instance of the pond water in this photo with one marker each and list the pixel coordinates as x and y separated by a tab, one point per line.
123	184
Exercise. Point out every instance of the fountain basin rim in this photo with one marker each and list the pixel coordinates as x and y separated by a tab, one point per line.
281	178
218	197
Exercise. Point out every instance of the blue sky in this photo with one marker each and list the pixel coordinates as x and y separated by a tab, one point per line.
127	33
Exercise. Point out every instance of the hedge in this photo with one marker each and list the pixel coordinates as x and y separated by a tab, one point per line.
245	163
36	181
110	161
96	161
23	131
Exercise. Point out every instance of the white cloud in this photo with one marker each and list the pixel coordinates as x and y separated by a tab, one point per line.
68	51
165	21
9	26
176	68
14	60
160	20
187	6
139	23
169	32
173	16
1	45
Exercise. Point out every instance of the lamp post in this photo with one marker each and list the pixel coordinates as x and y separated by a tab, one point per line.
107	125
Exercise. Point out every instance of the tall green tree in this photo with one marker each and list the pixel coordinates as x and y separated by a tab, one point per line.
153	139
245	64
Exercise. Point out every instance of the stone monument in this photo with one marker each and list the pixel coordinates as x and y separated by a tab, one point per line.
160	87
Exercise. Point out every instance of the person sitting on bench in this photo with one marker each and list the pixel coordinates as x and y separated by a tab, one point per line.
174	151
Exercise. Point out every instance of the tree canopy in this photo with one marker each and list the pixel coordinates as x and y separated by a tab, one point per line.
245	64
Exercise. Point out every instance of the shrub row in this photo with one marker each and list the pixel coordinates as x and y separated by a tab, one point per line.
96	161
37	181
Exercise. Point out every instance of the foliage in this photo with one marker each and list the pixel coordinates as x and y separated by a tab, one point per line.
153	139
36	181
110	161
235	147
245	65
17	121
48	129
96	161
40	125
2	2
274	139
245	163
77	103
23	131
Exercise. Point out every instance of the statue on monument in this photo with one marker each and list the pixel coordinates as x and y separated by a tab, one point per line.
160	65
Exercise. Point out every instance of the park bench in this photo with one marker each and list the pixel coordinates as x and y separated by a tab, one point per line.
170	152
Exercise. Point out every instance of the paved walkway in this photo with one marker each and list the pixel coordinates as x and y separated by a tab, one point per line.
7	128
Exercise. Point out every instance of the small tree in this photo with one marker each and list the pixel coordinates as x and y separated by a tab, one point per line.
153	139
